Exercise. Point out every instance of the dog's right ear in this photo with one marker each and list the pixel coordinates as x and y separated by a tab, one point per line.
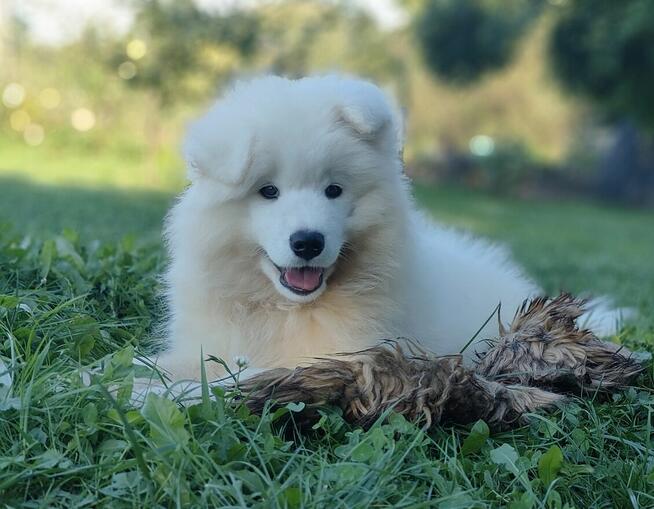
212	150
370	113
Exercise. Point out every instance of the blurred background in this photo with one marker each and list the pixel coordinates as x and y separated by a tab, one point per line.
513	96
530	121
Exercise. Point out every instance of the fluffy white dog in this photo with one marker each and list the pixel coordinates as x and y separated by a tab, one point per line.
298	236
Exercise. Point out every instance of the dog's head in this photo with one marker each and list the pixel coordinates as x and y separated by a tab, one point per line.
310	165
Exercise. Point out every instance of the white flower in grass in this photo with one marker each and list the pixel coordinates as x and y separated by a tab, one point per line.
241	361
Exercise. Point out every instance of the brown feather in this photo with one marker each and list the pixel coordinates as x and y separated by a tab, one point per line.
545	347
540	356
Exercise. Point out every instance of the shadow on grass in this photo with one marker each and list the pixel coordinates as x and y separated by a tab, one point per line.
103	214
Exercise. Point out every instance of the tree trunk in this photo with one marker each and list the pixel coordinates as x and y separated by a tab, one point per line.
626	172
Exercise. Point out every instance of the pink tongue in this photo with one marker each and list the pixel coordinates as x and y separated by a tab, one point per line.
306	278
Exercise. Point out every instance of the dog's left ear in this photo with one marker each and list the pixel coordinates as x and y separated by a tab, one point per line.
370	114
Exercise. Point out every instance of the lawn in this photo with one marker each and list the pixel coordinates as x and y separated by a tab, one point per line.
78	298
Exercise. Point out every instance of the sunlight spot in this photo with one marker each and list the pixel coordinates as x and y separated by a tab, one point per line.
136	49
50	98
127	70
481	145
82	119
13	95
19	120
34	134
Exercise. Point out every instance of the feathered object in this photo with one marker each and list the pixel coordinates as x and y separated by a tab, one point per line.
540	359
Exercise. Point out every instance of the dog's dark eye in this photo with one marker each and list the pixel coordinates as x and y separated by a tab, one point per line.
333	191
269	192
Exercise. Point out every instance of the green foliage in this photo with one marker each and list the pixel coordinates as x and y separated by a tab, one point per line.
605	51
509	165
476	439
69	436
506	456
550	464
462	40
166	422
189	51
303	36
108	214
601	50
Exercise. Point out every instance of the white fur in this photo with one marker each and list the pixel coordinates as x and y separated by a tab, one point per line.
389	272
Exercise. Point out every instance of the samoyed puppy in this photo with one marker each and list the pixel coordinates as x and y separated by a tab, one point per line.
298	236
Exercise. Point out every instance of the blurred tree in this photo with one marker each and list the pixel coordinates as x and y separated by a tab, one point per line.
13	37
601	50
604	50
304	36
462	40
178	52
291	30
185	49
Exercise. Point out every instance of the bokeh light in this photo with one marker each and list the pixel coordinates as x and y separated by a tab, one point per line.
34	134
136	49
13	95
50	98
127	70
19	120
481	145
82	119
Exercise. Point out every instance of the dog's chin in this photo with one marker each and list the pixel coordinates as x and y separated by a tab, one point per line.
297	284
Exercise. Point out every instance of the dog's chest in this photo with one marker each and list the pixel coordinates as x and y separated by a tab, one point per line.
294	336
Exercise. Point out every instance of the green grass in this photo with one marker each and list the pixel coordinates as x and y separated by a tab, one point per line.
116	160
105	214
73	310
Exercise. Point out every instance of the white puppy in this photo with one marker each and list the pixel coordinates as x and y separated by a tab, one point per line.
298	236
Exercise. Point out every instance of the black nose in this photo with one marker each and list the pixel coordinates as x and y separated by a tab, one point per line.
307	244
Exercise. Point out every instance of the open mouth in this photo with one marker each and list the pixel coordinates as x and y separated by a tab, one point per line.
301	280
